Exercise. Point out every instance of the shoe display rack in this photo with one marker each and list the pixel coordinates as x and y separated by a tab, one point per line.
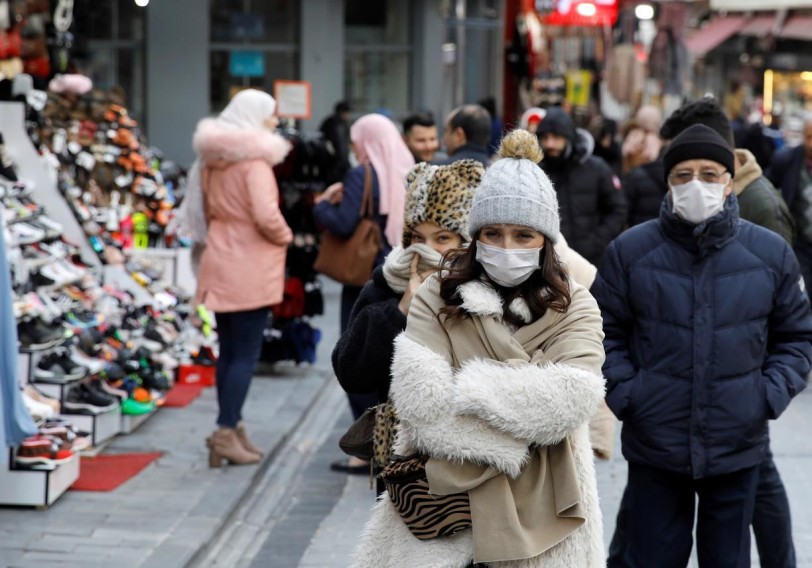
33	487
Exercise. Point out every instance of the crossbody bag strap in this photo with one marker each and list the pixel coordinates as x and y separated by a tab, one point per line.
367	201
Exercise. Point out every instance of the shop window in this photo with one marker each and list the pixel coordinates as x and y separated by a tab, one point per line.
234	70
253	44
255	21
109	47
378	55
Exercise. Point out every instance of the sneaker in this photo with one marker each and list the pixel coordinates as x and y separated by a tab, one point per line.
35	335
93	365
38	410
41	451
25	234
82	399
132	407
58	367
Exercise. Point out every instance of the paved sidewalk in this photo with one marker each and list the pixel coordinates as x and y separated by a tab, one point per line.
334	540
166	514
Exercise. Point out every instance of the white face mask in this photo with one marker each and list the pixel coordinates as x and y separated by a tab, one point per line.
508	267
697	201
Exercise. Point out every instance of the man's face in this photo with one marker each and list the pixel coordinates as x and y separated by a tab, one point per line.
422	142
553	144
808	139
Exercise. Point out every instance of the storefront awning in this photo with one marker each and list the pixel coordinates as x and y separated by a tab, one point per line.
797	27
760	26
714	33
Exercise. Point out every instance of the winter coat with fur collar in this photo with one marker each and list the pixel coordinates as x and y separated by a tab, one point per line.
488	412
243	266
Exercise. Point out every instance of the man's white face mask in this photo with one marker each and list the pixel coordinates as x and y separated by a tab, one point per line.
697	201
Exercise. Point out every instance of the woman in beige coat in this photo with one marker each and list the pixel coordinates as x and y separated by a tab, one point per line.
242	270
494	380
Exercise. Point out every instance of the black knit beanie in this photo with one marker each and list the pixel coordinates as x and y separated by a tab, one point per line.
698	142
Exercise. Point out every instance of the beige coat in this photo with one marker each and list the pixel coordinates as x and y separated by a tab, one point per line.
491	412
243	265
603	425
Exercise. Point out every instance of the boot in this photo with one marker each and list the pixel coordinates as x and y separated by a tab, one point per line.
225	445
246	443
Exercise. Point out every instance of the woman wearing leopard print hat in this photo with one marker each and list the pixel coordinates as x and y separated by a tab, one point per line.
438	200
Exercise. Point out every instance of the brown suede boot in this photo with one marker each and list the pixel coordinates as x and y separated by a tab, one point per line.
246	443
224	444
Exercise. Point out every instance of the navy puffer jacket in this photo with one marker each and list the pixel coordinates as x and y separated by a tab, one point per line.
708	335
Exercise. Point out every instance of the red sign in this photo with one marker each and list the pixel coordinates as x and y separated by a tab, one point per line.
582	13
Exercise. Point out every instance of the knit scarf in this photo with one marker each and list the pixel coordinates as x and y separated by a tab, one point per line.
397	268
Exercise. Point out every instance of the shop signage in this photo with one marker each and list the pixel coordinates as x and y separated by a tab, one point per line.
246	64
577	12
292	99
746	5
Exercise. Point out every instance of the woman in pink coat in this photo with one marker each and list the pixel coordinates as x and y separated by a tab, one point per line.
242	270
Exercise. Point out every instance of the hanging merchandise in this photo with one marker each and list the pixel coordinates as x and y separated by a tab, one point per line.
579	87
626	73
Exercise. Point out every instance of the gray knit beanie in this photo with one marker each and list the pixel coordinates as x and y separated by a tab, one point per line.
515	191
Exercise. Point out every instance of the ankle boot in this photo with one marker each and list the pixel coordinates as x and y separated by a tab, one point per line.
225	445
246	443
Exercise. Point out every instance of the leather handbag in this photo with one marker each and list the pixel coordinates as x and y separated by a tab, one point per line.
426	516
372	436
351	261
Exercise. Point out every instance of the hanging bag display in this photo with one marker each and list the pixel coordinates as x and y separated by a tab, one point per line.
351	261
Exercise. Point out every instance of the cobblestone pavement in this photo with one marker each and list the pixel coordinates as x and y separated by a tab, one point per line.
288	512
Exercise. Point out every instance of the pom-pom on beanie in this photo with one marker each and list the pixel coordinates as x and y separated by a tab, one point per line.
515	190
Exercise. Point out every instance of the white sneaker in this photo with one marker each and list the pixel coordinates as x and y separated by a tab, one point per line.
25	234
94	366
37	410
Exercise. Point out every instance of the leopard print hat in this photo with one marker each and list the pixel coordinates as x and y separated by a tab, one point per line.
441	195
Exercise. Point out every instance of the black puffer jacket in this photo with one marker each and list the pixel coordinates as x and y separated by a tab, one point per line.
363	354
645	188
591	203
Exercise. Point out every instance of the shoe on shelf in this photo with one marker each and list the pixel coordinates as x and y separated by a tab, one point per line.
32	393
131	407
25	234
41	451
37	409
35	335
59	367
82	399
92	364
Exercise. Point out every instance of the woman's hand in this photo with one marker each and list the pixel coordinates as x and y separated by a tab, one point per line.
415	280
333	194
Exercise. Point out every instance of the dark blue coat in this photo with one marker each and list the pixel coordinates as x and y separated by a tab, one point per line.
785	172
708	335
342	219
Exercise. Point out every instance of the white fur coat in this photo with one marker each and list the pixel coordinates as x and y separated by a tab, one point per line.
469	414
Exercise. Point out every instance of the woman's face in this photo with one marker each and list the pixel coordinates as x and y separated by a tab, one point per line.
271	122
434	236
511	237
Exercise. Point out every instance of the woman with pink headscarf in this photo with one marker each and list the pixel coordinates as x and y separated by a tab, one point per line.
377	143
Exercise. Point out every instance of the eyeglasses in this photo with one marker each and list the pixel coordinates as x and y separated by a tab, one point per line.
680	177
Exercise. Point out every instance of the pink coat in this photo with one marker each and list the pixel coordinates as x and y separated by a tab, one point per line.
243	266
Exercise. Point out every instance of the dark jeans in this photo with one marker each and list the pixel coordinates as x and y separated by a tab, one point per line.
772	524
240	336
358	402
660	517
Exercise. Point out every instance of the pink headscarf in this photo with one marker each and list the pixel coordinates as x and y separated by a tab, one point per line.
377	141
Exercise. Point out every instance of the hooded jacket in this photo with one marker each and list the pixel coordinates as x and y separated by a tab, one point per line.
243	266
759	201
708	336
592	205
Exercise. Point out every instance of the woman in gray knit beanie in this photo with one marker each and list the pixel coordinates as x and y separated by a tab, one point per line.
494	381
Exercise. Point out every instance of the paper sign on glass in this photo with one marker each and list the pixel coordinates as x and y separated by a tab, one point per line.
292	99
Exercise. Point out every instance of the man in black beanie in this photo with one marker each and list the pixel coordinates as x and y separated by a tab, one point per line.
592	204
708	335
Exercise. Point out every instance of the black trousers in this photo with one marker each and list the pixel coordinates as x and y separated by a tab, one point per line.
358	402
659	518
772	523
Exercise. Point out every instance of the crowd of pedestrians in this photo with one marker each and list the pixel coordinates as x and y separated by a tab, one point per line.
529	293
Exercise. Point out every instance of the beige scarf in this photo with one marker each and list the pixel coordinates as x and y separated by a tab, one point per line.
512	518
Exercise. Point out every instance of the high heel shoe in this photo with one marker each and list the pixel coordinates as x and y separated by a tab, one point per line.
224	444
246	443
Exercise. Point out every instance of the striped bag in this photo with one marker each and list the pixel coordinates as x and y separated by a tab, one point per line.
426	516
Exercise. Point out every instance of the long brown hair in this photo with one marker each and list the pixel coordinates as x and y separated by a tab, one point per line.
547	288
